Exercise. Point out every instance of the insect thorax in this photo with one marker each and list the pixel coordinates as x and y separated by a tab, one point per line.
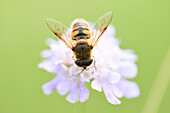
82	50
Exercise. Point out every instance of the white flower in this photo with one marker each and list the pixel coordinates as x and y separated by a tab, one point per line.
113	65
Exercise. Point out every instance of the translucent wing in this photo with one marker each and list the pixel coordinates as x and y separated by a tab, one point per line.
100	26
60	30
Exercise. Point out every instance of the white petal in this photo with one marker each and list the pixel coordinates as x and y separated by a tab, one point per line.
86	75
49	65
63	70
130	89
48	88
83	93
50	41
127	55
74	70
63	87
110	95
114	77
118	93
73	96
128	70
46	54
95	85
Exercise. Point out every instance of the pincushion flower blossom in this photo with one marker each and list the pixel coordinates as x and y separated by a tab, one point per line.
113	67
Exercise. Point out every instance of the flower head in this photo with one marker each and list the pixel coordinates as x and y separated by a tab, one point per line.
112	66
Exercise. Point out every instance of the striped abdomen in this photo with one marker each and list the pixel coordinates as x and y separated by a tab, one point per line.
80	30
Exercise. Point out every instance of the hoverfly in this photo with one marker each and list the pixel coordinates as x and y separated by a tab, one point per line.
81	41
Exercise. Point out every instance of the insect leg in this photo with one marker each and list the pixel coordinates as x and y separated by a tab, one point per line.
94	63
73	58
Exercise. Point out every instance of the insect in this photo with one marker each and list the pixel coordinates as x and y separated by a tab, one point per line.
81	40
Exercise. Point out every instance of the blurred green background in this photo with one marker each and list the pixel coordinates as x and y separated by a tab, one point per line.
142	25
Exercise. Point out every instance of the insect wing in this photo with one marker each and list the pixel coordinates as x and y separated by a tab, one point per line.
60	30
100	26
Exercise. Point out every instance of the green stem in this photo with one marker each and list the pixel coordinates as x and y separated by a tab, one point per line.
159	87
